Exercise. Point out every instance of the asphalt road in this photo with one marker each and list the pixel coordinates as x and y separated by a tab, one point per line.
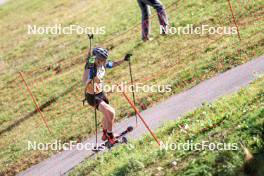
171	109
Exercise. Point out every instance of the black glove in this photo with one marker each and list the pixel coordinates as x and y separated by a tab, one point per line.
127	57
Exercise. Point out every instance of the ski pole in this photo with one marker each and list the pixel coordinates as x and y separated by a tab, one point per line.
90	36
95	112
132	83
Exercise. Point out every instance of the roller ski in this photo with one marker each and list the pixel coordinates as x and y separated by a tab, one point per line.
110	141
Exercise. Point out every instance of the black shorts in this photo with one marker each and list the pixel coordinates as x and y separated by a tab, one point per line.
95	100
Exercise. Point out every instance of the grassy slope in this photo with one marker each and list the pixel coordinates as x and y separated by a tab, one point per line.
182	61
233	118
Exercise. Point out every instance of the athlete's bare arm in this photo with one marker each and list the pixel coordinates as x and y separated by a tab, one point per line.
117	63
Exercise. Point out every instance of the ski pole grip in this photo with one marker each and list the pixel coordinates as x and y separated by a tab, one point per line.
90	36
127	56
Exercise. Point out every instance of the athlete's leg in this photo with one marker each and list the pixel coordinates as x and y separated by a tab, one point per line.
104	123
109	115
104	126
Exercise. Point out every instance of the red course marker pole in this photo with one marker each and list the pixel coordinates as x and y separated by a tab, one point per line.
35	102
234	19
142	119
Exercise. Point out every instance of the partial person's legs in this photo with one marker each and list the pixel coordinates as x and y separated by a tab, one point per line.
145	22
163	19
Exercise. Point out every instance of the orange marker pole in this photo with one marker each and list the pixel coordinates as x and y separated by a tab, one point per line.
142	119
35	102
234	19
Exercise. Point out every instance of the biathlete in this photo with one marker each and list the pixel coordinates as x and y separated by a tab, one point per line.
95	67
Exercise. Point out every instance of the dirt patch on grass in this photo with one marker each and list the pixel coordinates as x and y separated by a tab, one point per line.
2	66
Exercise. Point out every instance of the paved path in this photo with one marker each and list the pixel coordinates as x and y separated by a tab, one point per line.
171	109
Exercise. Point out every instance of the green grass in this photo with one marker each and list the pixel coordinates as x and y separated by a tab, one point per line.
182	61
235	118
